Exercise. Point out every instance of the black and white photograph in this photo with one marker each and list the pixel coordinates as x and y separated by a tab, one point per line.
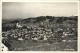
39	26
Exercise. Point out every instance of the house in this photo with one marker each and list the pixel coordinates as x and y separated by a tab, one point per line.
18	25
20	38
64	40
45	38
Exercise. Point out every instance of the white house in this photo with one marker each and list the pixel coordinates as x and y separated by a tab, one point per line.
18	25
45	38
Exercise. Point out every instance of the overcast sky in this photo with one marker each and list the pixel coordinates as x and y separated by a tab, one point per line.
33	9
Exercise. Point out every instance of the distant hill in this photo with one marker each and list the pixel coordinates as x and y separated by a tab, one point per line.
9	20
38	21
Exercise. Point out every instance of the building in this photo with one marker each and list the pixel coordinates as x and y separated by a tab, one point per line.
18	25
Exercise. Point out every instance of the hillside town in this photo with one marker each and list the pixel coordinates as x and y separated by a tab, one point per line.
49	30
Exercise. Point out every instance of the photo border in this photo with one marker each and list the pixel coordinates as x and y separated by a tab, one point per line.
41	1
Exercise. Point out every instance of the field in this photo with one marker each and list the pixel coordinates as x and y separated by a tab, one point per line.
25	45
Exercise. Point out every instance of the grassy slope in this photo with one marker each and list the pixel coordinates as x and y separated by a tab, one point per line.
38	46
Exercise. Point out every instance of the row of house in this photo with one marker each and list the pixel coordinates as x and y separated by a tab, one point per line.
37	33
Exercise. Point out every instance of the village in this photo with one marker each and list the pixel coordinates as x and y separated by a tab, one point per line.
36	33
39	32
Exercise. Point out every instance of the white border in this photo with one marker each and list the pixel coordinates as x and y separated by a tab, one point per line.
41	1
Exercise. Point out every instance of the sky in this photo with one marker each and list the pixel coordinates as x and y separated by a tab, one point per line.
12	10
